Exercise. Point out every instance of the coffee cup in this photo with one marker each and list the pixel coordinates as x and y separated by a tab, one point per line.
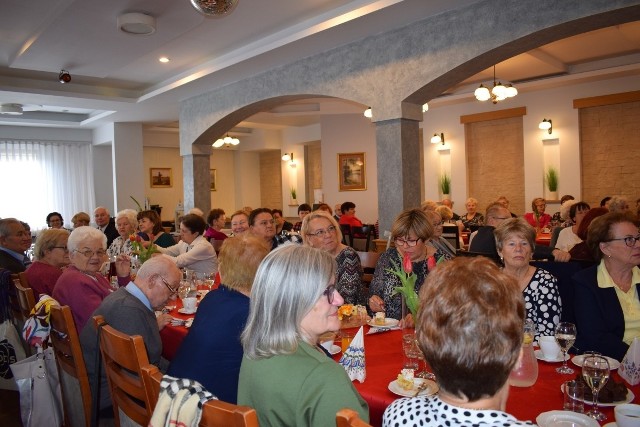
549	346
627	415
189	304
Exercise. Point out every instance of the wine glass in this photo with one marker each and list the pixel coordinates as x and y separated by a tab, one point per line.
595	371
565	336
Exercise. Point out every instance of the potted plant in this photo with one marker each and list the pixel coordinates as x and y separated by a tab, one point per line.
293	196
445	185
551	178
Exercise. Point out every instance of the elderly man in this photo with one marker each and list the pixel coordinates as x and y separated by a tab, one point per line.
483	241
14	241
105	224
130	310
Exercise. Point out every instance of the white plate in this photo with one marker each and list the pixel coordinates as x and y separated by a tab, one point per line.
432	388
565	419
629	398
540	356
183	311
613	363
388	323
334	349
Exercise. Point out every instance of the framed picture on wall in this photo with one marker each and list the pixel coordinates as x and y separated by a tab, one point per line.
212	172
161	177
351	172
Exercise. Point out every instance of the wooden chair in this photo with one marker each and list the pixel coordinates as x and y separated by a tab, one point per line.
358	234
349	418
123	357
66	346
368	260
214	412
24	281
26	299
452	234
347	238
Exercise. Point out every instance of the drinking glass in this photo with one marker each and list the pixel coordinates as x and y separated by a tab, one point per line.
565	336
209	280
595	371
411	352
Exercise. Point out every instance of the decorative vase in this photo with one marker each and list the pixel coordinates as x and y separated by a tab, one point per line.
552	195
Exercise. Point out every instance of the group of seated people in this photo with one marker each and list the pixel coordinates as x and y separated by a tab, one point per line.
280	292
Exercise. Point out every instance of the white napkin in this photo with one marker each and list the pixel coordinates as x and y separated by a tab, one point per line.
353	359
630	367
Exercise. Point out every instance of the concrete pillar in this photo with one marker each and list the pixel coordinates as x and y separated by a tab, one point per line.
398	150
197	181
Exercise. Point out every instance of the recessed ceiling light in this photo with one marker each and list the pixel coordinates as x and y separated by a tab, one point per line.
137	24
164	59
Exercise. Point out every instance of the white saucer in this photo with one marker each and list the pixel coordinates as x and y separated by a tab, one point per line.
578	360
565	418
388	323
183	311
540	356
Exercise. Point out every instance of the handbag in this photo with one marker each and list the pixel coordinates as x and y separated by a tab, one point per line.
11	351
39	386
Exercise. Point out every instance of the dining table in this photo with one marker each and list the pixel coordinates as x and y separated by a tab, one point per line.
384	360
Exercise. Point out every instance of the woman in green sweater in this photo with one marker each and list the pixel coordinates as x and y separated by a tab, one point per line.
284	375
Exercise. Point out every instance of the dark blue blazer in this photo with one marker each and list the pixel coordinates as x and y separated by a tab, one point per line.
599	317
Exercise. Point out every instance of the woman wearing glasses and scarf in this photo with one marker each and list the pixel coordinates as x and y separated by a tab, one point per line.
607	308
410	233
320	230
284	375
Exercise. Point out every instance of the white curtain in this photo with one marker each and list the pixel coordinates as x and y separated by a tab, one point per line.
38	177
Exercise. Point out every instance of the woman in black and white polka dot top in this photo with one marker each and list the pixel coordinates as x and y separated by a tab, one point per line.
515	241
469	327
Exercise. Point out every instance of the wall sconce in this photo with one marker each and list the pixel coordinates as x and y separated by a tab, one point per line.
368	113
288	157
435	139
546	125
425	107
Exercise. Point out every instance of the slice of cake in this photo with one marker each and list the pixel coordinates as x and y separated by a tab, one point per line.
405	379
380	318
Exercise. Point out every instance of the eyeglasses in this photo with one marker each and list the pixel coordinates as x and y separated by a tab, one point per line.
89	253
329	293
321	233
629	240
438	224
406	242
171	290
64	248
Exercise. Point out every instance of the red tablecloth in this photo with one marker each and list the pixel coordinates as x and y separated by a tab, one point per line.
543	239
383	354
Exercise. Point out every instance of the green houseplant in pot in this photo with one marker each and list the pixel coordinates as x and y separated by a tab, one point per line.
551	179
445	185
293	196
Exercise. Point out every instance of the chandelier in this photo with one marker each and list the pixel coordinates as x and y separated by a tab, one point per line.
227	141
499	92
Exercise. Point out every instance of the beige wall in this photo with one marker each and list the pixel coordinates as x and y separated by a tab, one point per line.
610	152
270	180
495	160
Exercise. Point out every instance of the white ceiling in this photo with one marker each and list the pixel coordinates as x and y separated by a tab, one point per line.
117	77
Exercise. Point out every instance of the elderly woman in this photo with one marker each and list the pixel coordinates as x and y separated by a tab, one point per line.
239	222
581	251
515	242
211	353
472	217
282	225
568	236
80	219
81	286
470	329
410	233
51	256
54	220
284	375
438	246
606	295
262	224
150	226
538	219
216	220
320	230
126	224
193	251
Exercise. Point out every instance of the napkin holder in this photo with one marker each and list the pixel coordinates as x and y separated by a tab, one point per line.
629	369
353	359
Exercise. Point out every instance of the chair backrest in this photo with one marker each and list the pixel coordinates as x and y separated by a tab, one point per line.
123	357
217	244
349	418
347	238
554	236
366	233
66	346
24	281
368	260
14	302
452	234
26	299
214	412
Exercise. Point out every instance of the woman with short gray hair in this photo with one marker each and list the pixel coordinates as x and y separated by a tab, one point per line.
293	302
126	224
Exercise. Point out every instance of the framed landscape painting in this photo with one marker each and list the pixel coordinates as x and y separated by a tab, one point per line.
161	177
212	172
351	172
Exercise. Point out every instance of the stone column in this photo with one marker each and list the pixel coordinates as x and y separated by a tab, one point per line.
398	148
197	181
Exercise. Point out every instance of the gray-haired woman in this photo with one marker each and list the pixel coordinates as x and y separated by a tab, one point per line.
284	375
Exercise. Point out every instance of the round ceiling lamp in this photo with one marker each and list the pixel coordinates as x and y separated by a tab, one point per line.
137	24
214	8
